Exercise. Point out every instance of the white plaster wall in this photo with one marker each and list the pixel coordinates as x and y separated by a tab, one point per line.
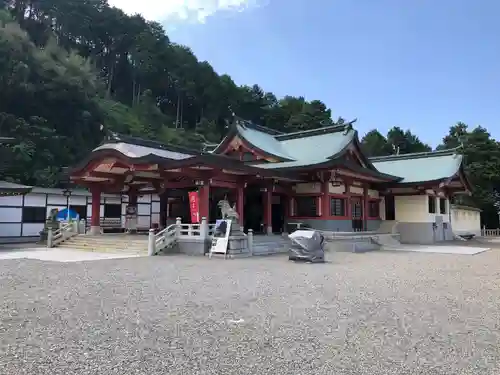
465	220
412	209
382	208
356	190
336	189
308	188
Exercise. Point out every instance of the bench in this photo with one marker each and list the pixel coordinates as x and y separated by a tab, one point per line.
109	224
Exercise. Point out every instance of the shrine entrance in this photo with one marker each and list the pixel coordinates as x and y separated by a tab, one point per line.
254	210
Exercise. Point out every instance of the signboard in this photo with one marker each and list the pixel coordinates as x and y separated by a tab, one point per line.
194	207
220	239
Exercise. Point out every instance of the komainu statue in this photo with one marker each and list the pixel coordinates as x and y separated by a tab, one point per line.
227	211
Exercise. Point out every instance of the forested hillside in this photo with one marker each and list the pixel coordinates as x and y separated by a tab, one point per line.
70	69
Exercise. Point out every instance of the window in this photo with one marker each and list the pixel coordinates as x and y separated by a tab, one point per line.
80	210
442	205
112	210
373	209
432	204
306	206
34	214
337	206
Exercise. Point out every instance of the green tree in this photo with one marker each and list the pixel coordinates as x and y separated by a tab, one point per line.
375	144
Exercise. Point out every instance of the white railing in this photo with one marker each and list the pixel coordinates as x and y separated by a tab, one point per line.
490	232
164	238
65	231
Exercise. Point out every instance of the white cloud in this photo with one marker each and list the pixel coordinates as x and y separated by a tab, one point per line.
186	10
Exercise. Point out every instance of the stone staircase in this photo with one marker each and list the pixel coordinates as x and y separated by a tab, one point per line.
108	243
270	244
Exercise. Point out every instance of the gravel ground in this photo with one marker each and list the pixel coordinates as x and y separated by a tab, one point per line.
374	313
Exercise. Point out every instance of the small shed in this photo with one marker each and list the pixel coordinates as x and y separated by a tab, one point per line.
465	219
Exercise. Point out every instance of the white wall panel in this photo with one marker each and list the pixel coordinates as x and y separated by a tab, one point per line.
77	201
16	200
155	197
30	230
114	200
143	221
89	211
11	215
146	198
143	209
155	218
35	200
10	230
155	207
56	200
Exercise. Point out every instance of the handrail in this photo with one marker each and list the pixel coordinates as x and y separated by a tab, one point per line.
65	231
165	237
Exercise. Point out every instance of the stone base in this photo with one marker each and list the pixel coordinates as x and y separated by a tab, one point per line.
193	247
95	230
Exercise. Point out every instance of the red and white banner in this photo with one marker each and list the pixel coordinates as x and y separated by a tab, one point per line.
194	207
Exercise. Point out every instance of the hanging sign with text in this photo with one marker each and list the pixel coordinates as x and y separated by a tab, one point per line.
194	207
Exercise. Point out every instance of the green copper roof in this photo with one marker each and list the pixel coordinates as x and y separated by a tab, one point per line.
420	167
265	142
312	147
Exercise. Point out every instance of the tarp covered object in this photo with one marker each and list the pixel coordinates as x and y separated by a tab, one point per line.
307	245
63	214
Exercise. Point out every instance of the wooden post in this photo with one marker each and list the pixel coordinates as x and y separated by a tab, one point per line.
204	201
240	203
325	199
268	224
95	220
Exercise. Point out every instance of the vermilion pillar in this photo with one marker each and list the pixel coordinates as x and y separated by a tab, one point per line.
325	199
267	203
95	220
204	203
365	208
240	204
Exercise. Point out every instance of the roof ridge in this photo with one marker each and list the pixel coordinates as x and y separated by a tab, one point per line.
251	125
318	131
114	137
416	155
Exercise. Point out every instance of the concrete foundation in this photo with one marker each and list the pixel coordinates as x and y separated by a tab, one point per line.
95	230
193	246
335	225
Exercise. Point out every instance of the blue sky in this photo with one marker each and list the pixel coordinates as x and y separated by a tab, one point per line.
419	64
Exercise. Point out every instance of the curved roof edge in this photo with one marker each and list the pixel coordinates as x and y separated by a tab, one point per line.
234	131
415	155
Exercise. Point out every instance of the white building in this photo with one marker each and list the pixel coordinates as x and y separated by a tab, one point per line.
22	217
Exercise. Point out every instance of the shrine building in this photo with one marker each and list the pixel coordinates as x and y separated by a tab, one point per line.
319	178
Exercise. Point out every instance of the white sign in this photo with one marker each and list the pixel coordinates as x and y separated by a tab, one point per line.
220	240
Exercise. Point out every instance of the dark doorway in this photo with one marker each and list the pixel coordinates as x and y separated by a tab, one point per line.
278	213
253	210
357	214
390	208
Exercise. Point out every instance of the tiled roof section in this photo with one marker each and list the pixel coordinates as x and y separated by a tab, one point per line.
420	167
136	147
10	188
137	151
